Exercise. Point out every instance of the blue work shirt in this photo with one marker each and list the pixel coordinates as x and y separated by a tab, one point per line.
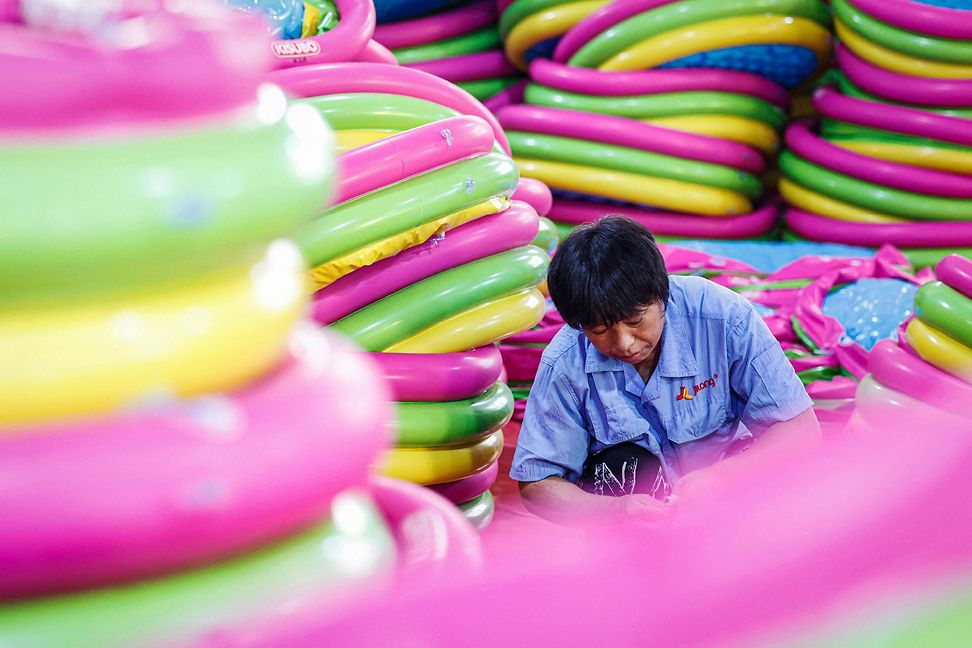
719	366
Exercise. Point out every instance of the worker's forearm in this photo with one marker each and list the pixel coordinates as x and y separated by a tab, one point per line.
563	502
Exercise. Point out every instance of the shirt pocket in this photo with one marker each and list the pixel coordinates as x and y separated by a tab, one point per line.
623	423
705	413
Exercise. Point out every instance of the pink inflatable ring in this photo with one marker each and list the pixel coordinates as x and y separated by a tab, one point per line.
427	377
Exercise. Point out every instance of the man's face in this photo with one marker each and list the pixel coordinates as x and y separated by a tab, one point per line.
633	340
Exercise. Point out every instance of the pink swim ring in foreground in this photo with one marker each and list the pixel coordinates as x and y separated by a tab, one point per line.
905	372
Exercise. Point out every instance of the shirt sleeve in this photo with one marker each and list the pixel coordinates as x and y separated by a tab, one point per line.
553	440
761	375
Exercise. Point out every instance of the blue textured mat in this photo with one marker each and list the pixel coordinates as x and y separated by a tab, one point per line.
948	4
788	65
770	256
871	309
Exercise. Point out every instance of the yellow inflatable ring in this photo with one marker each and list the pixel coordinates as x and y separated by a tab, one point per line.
723	33
546	24
940	350
355	137
479	325
632	187
211	334
890	59
929	157
744	130
442	463
816	203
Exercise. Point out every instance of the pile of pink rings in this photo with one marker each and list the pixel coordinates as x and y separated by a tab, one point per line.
460	44
446	270
891	159
929	369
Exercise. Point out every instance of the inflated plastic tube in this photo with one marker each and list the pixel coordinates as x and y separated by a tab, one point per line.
940	158
192	607
438	26
378	111
444	463
441	376
477	41
400	207
946	309
956	271
479	511
469	67
599	21
549	22
94	520
733	128
647	82
621	131
904	234
468	488
902	371
672	224
804	143
900	87
871	399
90	359
315	80
428	424
920	17
534	193
798	196
940	349
411	309
343	43
890	59
410	153
468	242
375	52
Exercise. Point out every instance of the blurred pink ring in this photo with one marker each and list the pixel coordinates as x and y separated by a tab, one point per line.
902	371
468	488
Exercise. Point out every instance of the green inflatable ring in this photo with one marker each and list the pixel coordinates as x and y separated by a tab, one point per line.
622	158
946	309
441	423
832	129
522	9
681	14
104	215
669	104
479	511
483	89
548	236
404	205
379	111
185	607
429	301
872	196
851	90
918	45
477	41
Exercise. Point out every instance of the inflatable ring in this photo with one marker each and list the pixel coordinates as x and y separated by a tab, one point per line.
674	18
620	131
930	257
632	160
468	488
819	151
337	78
544	25
832	129
849	89
857	28
648	82
817	227
483	89
468	43
920	17
873	196
471	67
874	400
474	240
219	599
400	207
534	193
673	104
743	130
901	371
946	309
444	463
940	349
351	35
77	528
949	93
348	140
190	63
636	188
441	376
428	424
479	511
374	52
513	12
929	157
890	59
90	359
409	310
956	272
484	323
574	212
718	34
438	26
385	112
810	201
213	195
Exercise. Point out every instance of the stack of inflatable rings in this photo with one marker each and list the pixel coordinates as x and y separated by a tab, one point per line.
461	45
932	366
176	450
873	173
787	41
681	151
425	260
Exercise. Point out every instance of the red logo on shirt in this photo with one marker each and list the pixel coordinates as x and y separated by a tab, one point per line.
684	393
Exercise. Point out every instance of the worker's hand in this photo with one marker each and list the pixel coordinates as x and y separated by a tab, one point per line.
697	486
642	510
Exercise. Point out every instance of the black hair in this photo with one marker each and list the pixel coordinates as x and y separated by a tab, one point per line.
605	272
